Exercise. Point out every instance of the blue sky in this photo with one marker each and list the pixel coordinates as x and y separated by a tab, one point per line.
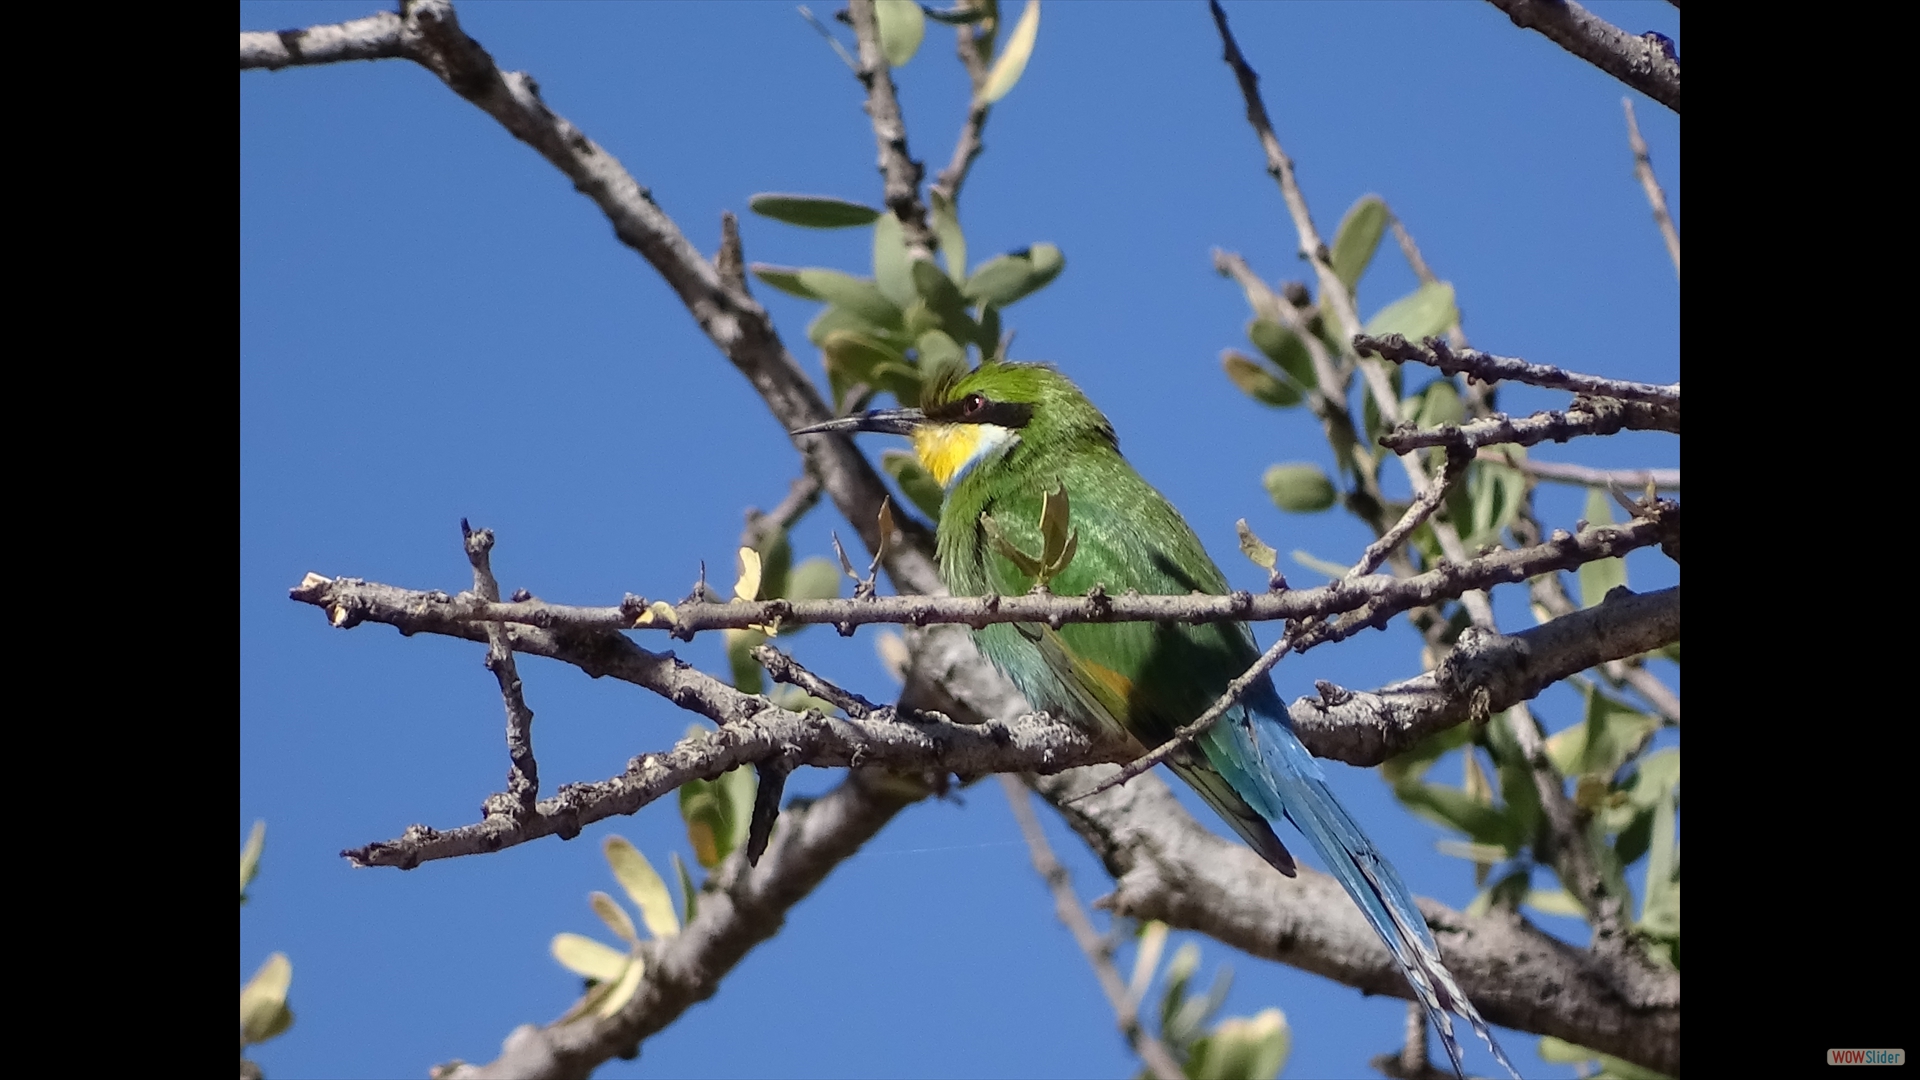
434	325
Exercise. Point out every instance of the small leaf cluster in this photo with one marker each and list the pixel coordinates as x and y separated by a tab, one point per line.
1236	1048
1627	793
1284	374
912	323
614	975
264	1013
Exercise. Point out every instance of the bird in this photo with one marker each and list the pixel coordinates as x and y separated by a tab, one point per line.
998	439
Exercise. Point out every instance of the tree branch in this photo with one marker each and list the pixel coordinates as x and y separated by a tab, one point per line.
1098	951
523	771
900	172
741	907
1167	867
739	327
1646	63
1643	169
1362	728
1486	367
1586	416
1372	597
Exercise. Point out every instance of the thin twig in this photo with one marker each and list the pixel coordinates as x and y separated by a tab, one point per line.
1587	476
523	772
801	496
1587	416
969	145
1647	62
1099	953
1422	508
1643	168
1487	367
900	172
782	668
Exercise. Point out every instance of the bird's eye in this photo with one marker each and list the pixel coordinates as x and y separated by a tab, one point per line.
972	404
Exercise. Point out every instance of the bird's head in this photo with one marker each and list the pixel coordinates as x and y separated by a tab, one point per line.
971	418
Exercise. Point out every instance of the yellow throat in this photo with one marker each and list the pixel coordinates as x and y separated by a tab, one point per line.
949	450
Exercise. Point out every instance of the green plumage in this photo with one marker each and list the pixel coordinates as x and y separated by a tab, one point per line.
1130	537
1023	431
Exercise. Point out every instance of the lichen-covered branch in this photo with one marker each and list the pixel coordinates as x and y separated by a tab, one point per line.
1646	63
1586	416
1486	367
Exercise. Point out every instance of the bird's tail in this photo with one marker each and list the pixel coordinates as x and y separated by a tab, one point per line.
1287	782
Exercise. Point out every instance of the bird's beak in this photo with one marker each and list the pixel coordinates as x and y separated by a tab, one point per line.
888	421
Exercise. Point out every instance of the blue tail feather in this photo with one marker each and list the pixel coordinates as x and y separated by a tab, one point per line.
1276	775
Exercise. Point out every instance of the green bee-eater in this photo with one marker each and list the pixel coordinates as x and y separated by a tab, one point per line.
997	440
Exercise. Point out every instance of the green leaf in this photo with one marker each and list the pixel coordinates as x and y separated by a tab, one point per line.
1437	404
1299	488
832	319
1318	565
1508	892
1283	347
890	265
643	885
784	278
1496	495
812	211
263	1001
690	897
1413	762
940	355
814	579
1562	1052
1358	239
858	295
1555	902
1660	910
614	916
748	678
250	856
989	339
1243	1048
916	483
1255	548
1597	578
1257	382
737	787
1006	278
1458	810
943	298
623	990
1425	311
585	956
1606	738
854	357
902	25
1012	62
953	243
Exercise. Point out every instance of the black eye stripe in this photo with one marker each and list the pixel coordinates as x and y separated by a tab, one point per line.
977	408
